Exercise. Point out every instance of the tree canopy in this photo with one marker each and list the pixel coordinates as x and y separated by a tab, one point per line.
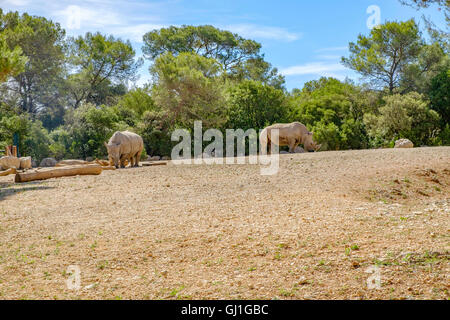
382	56
99	60
65	96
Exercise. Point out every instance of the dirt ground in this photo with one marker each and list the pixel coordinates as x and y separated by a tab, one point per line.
314	231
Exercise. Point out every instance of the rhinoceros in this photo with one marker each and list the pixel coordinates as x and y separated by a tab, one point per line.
124	146
291	135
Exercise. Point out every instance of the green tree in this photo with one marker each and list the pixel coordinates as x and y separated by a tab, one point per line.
188	87
333	110
155	130
99	62
403	116
138	100
382	56
37	142
238	57
259	70
10	123
42	42
227	48
254	105
12	62
417	76
90	126
439	95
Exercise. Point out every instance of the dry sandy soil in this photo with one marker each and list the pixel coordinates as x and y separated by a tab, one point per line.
225	232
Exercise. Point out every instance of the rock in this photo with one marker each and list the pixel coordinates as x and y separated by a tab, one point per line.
25	163
165	158
33	163
9	162
154	158
299	150
403	143
89	159
48	162
284	152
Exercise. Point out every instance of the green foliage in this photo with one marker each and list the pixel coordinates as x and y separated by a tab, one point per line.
239	58
382	56
155	131
12	62
403	116
227	48
66	97
430	62
52	116
252	104
61	143
102	64
443	139
137	100
89	128
37	142
333	110
42	42
188	87
439	95
10	123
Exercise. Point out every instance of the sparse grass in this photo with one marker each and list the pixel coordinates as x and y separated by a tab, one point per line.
137	239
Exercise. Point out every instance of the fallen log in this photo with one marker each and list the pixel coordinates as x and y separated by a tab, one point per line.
151	164
7	172
71	162
68	171
108	168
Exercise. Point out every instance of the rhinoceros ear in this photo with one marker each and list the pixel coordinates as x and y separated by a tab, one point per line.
106	145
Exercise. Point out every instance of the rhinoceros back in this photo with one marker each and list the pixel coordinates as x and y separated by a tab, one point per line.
130	143
294	130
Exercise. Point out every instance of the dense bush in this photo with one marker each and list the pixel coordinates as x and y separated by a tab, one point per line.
90	126
404	116
333	111
252	104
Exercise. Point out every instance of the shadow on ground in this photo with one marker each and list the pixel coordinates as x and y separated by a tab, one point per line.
8	189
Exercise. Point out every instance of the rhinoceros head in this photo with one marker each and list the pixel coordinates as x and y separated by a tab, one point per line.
309	143
113	154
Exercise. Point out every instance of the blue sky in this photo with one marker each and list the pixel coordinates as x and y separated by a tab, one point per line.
304	39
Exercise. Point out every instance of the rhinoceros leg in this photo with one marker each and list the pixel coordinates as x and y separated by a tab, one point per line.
138	156
123	158
292	145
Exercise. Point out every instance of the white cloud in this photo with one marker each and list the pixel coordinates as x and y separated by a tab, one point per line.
17	3
314	68
76	17
263	32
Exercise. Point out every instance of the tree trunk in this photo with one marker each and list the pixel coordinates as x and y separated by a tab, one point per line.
43	174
